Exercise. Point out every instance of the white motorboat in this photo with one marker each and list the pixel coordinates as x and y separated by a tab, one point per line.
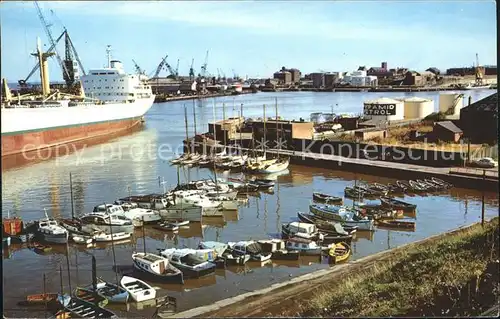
302	230
277	166
82	239
251	248
157	268
50	231
227	203
182	212
188	261
143	215
103	237
103	221
138	289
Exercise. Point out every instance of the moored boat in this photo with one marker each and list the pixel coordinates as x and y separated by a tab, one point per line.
340	252
157	268
397	204
138	289
327	198
91	297
82	309
188	262
305	246
410	225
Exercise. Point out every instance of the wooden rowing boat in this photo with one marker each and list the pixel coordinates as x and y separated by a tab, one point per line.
396	224
340	252
319	197
397	204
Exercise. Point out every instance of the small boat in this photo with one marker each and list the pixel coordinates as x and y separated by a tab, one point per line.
166	226
329	212
41	248
50	231
329	227
430	186
103	237
417	187
137	289
230	259
396	224
395	189
327	198
397	204
262	183
285	255
340	252
404	185
38	299
157	268
179	159
272	245
191	265
82	239
112	292
218	247
179	223
302	230
304	246
251	248
440	181
351	192
83	309
314	219
91	297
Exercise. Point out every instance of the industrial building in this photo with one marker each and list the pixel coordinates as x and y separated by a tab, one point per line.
479	120
332	79
414	78
287	76
380	72
360	78
318	79
488	70
446	131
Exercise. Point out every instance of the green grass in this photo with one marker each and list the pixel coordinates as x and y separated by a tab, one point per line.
425	280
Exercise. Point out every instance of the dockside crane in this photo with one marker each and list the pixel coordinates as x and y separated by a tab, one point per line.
203	72
479	72
138	69
46	26
177	68
160	66
191	71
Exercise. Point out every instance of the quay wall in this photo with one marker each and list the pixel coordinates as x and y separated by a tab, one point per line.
309	281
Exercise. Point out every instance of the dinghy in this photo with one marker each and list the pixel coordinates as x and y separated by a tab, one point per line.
397	204
82	239
165	226
319	197
340	252
89	296
103	237
82	309
138	289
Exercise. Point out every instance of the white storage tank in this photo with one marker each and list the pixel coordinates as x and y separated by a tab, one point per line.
453	101
384	109
417	107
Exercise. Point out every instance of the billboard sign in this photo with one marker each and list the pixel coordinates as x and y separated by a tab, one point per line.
380	109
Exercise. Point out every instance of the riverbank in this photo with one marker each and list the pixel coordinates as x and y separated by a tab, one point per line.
163	98
425	278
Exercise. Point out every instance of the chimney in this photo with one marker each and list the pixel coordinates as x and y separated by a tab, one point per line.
384	65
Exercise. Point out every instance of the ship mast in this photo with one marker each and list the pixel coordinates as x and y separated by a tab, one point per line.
108	52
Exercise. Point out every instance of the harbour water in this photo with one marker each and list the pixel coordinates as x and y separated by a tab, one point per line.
133	163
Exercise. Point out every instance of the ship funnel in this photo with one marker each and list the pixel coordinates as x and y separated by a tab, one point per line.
6	90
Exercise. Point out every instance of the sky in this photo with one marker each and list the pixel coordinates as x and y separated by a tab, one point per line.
254	38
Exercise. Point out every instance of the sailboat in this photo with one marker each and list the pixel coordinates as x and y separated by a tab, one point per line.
279	164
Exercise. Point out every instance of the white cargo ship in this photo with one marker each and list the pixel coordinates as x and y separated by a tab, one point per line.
112	101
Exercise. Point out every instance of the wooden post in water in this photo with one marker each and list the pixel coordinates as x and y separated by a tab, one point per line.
45	294
482	200
143	235
71	194
241	126
94	280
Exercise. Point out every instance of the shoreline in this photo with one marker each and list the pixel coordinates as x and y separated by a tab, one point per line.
266	302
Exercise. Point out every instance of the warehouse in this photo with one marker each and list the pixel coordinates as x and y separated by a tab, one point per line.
479	120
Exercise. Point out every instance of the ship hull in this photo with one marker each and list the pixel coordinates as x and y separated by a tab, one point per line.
30	142
31	130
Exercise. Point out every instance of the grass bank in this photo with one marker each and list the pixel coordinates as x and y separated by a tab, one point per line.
456	275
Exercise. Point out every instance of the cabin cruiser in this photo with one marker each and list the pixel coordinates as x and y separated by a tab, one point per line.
50	231
147	216
251	248
108	222
188	261
194	197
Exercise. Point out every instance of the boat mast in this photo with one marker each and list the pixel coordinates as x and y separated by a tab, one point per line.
194	118
241	126
187	133
108	52
113	249
143	236
277	133
71	194
67	265
265	136
224	122
215	130
215	171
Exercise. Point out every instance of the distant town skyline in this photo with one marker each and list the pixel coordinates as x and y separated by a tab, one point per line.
256	38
